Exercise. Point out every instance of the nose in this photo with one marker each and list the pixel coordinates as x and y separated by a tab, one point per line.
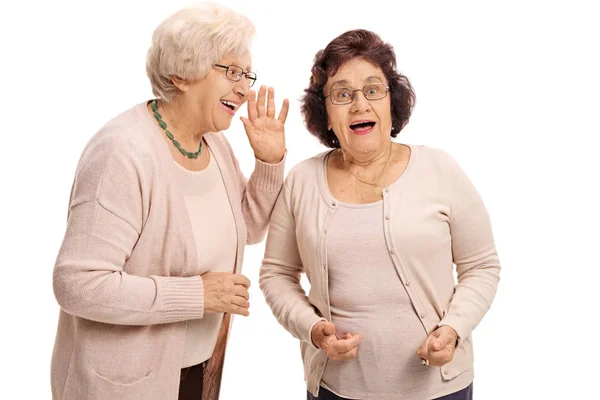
360	103
242	88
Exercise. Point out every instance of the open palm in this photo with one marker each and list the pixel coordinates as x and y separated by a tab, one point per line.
265	132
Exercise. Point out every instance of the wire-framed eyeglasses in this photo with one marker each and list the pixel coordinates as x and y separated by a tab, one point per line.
372	91
235	73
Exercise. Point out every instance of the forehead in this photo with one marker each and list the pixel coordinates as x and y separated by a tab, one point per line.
355	73
244	61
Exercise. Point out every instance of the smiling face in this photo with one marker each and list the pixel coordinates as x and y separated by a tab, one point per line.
214	99
363	126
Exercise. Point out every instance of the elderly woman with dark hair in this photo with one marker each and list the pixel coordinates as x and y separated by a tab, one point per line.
377	226
149	272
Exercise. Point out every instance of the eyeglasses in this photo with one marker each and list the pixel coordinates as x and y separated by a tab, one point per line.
234	73
373	91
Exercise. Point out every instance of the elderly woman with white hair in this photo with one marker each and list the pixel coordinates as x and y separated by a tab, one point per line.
159	214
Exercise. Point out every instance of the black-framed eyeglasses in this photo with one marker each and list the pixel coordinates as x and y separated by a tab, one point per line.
372	91
235	73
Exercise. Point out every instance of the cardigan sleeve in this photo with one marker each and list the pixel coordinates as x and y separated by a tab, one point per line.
280	274
473	252
258	194
104	223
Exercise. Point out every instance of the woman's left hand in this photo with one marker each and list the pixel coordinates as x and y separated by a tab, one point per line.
438	348
265	132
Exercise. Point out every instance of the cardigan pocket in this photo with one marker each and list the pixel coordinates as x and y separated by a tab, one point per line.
111	381
118	361
104	388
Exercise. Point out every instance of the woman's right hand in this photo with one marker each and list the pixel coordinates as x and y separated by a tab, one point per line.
323	336
226	292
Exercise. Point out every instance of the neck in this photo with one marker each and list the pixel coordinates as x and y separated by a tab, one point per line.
367	161
182	120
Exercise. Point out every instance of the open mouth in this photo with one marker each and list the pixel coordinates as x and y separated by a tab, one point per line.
230	104
362	126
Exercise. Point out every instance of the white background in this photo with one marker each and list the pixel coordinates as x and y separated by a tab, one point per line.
511	90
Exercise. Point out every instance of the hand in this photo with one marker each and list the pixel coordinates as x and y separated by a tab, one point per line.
226	292
265	133
439	346
323	336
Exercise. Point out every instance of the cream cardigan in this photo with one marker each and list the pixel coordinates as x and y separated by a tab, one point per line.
444	223
122	274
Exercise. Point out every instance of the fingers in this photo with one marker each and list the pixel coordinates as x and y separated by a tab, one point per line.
328	328
437	344
436	350
226	292
252	112
284	111
240	291
246	122
338	346
240	301
256	106
260	103
439	358
233	309
271	103
423	350
344	349
349	355
239	279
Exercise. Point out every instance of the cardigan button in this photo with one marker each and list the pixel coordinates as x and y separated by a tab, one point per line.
387	217
423	315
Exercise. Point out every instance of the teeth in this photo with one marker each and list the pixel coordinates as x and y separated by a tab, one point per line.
229	103
362	123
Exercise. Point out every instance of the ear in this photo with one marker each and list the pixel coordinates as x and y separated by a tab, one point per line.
180	83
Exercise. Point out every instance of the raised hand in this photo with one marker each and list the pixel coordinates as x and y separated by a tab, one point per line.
265	132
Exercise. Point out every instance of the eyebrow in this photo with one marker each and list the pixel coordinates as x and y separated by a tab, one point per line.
374	78
345	82
246	68
339	82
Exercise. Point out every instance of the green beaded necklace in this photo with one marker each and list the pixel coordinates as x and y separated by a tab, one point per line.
163	125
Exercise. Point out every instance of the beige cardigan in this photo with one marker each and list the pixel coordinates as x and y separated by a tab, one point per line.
122	274
446	222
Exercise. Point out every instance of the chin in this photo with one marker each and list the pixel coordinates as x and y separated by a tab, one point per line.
223	126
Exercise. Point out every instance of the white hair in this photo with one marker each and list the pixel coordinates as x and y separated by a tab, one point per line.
189	42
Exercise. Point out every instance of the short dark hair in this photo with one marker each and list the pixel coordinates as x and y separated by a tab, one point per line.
350	45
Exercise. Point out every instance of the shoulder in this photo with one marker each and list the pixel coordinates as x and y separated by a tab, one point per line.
433	160
123	151
131	134
307	172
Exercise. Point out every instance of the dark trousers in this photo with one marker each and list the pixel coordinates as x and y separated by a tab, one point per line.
324	394
190	382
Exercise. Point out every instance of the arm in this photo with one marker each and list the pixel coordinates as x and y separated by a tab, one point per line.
474	253
104	224
266	135
280	274
259	195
